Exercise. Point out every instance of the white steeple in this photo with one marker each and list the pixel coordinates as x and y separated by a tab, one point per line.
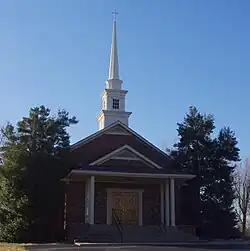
113	66
113	97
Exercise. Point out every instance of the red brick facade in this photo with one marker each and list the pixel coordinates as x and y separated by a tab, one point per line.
76	203
107	143
100	146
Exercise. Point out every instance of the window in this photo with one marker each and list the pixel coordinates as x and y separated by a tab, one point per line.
115	103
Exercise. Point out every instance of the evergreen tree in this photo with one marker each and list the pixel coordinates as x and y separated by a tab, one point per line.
218	198
35	155
13	201
212	160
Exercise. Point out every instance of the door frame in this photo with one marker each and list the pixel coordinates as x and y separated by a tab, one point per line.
109	203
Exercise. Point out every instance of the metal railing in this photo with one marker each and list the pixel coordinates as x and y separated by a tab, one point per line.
118	224
158	221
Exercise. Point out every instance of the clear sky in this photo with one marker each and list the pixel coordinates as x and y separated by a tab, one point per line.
172	54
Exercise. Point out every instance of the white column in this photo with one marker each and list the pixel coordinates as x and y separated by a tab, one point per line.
140	193
167	218
162	202
87	200
92	200
109	207
172	204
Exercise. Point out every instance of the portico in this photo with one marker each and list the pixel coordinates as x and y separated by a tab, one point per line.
126	196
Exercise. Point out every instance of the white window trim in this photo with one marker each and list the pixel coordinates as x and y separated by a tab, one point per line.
116	104
109	203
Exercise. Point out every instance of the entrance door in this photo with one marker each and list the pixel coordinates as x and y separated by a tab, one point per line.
125	205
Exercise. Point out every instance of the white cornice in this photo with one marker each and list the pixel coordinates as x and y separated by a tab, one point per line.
134	175
114	91
112	113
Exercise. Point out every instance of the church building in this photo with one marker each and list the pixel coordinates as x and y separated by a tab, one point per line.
122	187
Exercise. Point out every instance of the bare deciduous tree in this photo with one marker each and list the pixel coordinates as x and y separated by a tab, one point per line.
1	141
2	128
242	192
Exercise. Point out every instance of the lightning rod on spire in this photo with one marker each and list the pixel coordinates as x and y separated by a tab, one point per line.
114	15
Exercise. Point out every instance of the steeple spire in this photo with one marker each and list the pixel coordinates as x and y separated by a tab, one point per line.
113	96
113	65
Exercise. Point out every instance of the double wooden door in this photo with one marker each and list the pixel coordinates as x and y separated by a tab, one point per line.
126	205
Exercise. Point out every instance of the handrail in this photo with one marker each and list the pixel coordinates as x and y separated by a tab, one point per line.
118	224
159	222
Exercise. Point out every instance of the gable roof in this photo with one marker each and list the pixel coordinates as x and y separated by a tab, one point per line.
116	128
125	152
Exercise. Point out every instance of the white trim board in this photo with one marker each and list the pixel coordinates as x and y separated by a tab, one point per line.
139	156
133	175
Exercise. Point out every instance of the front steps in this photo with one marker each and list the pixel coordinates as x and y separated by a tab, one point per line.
133	234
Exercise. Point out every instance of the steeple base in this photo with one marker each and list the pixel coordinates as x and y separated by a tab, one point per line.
115	84
106	118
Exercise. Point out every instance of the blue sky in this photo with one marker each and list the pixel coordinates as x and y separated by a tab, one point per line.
172	54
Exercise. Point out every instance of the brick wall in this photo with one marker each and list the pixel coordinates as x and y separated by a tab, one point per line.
151	199
75	208
76	201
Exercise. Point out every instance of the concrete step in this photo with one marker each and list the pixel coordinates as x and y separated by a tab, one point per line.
135	234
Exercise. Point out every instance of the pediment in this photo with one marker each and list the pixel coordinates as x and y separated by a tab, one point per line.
117	130
126	153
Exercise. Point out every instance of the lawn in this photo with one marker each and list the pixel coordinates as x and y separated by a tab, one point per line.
11	247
